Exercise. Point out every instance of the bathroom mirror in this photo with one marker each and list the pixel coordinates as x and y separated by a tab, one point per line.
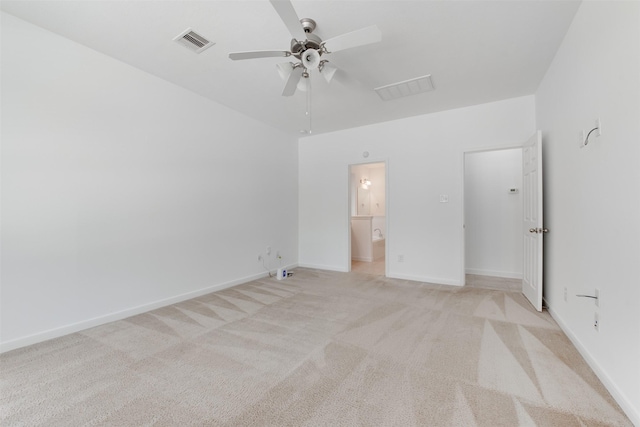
364	201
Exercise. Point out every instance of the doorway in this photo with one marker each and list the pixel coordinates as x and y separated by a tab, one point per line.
493	207
368	218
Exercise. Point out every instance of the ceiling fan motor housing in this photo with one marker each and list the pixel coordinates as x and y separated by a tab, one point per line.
312	41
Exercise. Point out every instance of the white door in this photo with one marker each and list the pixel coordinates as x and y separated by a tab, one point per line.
532	220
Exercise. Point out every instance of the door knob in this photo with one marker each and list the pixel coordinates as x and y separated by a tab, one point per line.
538	230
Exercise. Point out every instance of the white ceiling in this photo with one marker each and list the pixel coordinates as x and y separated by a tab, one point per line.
476	51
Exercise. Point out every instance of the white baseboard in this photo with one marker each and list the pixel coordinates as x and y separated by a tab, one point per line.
494	273
361	258
112	317
324	267
434	280
633	412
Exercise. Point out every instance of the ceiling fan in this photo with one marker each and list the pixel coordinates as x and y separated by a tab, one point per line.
308	48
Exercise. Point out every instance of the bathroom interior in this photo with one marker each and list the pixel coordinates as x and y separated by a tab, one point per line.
368	218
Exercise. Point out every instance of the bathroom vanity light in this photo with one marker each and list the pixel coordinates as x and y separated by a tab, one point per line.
365	183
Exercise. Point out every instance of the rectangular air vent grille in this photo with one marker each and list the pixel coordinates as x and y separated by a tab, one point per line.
405	88
193	40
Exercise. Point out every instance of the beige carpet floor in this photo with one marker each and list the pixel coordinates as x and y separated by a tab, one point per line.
318	349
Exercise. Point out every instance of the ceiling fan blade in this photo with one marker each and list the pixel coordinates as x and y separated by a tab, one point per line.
285	69
292	81
258	54
290	18
356	38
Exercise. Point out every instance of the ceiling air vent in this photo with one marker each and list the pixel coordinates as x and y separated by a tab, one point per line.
405	88
193	41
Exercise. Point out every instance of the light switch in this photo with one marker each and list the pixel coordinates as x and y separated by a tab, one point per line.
444	198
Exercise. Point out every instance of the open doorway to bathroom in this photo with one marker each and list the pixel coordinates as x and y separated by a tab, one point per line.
368	218
493	219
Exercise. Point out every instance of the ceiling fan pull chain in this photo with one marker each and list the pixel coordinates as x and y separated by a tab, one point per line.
309	102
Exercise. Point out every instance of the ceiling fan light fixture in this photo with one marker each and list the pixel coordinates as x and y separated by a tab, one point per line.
284	69
310	58
303	84
328	70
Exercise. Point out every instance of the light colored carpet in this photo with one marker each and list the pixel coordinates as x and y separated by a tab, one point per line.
319	349
492	282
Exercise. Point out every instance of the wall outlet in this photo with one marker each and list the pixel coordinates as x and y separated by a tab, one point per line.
598	132
597	297
565	294
596	322
268	250
400	258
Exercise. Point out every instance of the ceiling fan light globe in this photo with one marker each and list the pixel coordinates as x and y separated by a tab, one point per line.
284	69
310	58
303	84
328	71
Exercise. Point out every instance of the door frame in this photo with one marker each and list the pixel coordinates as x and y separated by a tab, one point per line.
386	211
464	210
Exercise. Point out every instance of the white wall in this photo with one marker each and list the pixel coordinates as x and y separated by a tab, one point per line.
493	215
121	192
425	159
592	195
